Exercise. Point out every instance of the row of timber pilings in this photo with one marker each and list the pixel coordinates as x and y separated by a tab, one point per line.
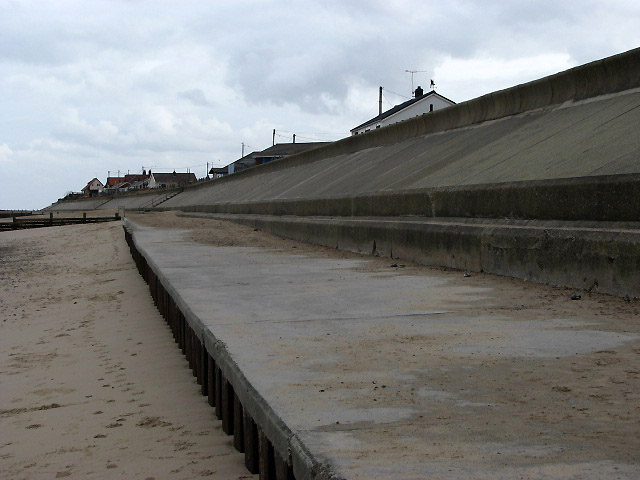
260	456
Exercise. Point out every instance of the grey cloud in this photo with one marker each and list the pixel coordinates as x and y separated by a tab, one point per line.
127	67
195	96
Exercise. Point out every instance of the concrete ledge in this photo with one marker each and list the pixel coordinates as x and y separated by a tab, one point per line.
202	348
601	257
597	198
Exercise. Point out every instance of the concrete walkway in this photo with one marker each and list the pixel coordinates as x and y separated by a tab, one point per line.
356	367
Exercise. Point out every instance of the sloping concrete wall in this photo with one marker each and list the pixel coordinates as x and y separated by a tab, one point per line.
589	139
77	205
573	125
607	76
132	201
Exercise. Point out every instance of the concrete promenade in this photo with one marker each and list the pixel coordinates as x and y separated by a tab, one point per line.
325	364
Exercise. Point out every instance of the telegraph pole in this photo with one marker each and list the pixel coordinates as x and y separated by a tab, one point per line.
294	138
273	139
380	102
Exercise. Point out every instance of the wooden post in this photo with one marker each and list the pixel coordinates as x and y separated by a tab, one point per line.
266	460
84	217
251	444
284	471
227	407
238	424
204	367
218	382
211	381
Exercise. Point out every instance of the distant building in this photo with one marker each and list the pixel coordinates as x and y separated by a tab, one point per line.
171	180
217	172
421	104
93	187
112	182
134	181
275	152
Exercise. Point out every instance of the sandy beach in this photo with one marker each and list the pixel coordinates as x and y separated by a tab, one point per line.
91	382
93	386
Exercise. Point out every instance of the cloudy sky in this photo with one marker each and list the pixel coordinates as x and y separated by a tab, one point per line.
88	87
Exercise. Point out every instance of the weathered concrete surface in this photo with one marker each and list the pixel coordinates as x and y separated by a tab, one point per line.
132	201
362	370
610	75
591	198
77	205
601	257
593	138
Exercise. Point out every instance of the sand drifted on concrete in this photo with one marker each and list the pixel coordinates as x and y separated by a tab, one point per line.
507	379
91	383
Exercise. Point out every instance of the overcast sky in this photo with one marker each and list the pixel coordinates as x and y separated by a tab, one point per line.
88	87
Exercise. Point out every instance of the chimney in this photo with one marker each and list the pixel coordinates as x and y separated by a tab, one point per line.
419	92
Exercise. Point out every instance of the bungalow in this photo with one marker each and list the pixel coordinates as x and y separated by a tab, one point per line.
217	172
421	104
275	152
171	180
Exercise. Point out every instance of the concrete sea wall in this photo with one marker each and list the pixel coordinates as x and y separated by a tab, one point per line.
542	179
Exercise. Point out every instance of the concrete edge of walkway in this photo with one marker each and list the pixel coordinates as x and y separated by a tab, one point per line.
273	446
601	258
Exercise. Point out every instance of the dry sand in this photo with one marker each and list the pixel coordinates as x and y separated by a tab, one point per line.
80	396
91	382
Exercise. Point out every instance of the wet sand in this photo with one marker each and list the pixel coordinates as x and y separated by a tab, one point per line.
91	382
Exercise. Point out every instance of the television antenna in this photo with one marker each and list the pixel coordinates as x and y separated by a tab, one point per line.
412	72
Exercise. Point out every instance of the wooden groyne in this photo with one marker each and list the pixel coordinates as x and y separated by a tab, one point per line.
22	223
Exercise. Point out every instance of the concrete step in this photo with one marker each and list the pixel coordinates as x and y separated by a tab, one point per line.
595	256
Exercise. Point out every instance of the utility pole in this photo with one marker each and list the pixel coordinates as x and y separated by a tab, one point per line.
294	138
273	139
242	150
380	102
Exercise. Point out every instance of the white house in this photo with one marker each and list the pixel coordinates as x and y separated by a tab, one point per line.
93	187
421	104
171	180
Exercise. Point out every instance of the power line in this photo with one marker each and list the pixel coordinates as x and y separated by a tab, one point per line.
313	133
403	96
306	135
388	102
